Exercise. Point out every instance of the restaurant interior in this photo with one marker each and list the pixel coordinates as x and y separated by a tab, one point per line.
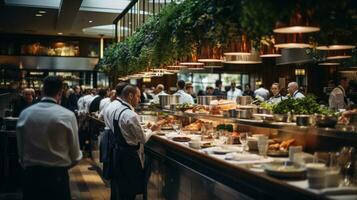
252	99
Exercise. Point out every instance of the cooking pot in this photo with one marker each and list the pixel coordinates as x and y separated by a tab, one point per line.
244	113
244	100
205	100
167	100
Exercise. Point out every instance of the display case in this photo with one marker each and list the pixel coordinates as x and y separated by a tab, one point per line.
181	172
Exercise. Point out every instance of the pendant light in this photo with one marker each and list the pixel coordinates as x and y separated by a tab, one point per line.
267	48
191	63
293	33
241	52
210	56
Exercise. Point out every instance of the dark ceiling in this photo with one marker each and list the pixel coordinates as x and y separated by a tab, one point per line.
68	19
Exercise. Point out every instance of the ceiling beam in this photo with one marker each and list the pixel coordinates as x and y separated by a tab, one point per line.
66	14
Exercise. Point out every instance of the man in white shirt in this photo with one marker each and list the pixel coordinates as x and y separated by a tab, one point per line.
184	97
47	137
127	178
293	89
261	92
106	101
234	92
158	91
338	99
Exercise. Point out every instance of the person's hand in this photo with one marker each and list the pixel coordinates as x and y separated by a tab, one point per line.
155	127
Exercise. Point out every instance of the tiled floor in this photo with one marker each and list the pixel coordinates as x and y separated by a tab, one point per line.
87	184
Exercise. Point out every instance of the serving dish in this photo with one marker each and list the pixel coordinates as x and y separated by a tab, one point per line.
285	170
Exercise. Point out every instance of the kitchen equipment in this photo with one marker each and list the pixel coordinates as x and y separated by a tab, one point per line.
244	113
280	117
244	100
168	100
303	120
285	169
232	113
205	100
329	121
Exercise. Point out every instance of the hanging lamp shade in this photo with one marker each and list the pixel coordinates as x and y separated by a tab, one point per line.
335	47
210	56
191	61
267	48
294	33
329	64
241	52
336	53
299	22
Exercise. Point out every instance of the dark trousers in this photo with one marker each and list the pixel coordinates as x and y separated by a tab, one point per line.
117	193
42	183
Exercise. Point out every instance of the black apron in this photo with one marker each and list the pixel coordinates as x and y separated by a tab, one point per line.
127	171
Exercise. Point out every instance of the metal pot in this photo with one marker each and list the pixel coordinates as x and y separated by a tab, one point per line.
244	113
205	100
304	120
167	100
244	100
280	117
329	121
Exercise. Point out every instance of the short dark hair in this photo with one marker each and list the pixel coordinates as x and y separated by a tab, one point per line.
119	88
181	84
102	92
52	85
128	89
218	83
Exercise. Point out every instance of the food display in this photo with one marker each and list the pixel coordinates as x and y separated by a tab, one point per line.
199	109
195	126
184	106
224	104
181	139
284	145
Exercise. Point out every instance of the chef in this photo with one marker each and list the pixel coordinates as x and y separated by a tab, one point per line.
128	138
277	97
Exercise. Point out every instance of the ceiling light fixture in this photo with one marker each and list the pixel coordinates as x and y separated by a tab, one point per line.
42	12
335	47
90	21
38	15
60	33
329	64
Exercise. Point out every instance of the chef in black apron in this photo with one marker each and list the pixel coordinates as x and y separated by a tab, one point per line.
126	141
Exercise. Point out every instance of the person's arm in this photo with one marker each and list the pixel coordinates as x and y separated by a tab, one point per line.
20	126
73	143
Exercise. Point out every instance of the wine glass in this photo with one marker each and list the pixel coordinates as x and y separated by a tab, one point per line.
176	125
243	138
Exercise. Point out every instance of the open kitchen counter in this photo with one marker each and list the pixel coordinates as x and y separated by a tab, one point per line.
180	172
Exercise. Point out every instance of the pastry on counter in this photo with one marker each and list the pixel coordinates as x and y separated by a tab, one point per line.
195	126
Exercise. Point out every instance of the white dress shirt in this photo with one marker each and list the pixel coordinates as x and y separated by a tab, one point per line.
298	95
129	125
156	98
47	135
337	98
104	103
276	99
184	97
232	95
262	92
84	103
108	113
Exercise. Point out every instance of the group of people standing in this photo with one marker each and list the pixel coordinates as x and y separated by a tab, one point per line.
232	92
48	141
